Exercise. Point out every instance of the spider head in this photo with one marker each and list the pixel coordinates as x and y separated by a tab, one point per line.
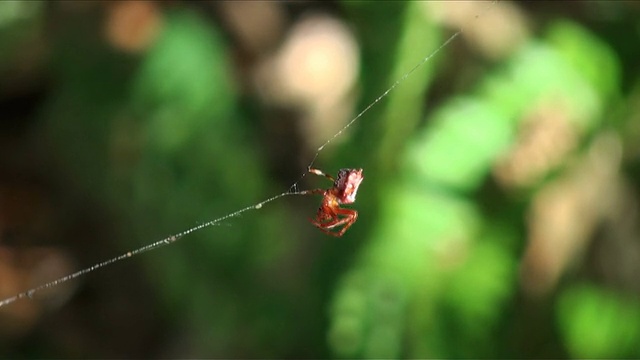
346	185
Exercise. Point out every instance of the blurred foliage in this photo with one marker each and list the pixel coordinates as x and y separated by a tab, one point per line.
451	256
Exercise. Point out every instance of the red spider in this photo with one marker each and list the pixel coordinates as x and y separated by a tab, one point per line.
330	214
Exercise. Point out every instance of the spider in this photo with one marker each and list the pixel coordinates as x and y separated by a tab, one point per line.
330	214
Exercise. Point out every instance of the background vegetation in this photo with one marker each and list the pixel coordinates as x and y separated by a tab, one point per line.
498	215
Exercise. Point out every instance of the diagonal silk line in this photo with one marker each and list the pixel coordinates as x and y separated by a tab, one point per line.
293	189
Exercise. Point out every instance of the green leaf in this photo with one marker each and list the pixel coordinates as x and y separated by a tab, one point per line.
596	323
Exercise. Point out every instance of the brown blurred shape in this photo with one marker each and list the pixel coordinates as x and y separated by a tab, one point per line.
565	213
494	30
314	71
26	214
545	140
257	25
132	26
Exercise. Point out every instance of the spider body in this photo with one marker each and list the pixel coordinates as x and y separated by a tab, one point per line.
330	215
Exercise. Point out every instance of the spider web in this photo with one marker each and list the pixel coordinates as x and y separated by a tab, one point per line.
293	189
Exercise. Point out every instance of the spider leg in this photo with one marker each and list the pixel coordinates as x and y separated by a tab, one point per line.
313	192
350	216
325	216
319	172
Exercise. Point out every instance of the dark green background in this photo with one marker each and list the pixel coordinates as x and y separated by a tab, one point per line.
106	150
